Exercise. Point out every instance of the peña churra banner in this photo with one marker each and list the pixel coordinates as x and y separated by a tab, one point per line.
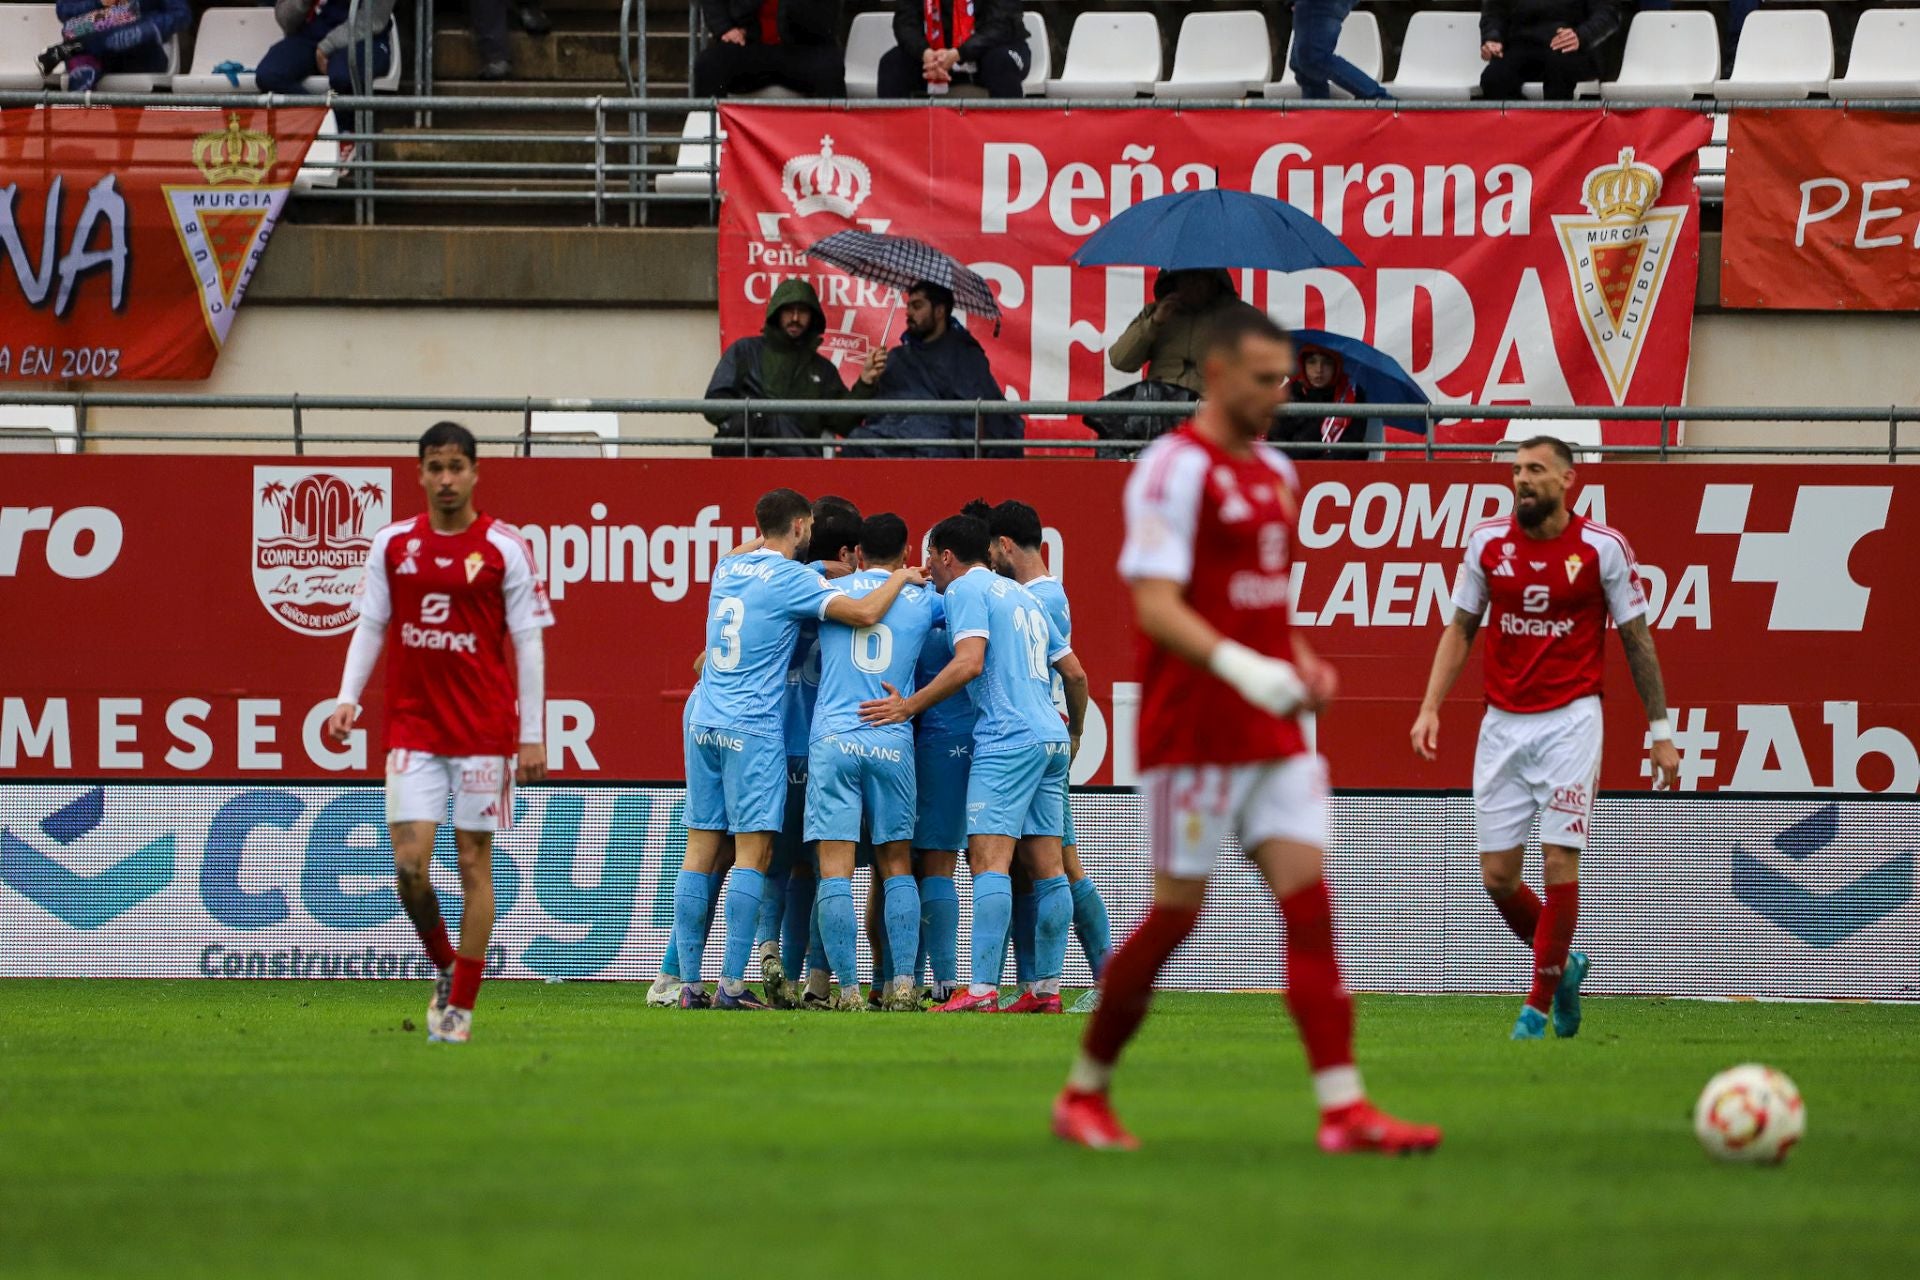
1532	258
127	236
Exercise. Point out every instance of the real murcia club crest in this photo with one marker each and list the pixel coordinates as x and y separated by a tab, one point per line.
312	529
827	182
1618	259
224	225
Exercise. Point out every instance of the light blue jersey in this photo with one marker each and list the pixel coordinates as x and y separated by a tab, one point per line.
1053	599
856	662
1013	695
953	717
754	613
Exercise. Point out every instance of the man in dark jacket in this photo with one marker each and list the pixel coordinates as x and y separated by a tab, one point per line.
782	363
757	44
1552	41
937	359
941	43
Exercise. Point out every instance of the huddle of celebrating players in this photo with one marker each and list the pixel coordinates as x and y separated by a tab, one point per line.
945	713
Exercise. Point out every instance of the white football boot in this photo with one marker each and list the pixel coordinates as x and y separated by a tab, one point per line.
455	1026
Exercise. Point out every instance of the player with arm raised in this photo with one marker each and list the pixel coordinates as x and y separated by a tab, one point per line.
1211	513
1003	650
736	734
1547	581
463	717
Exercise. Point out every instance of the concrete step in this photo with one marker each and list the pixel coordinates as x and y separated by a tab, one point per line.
568	55
559	120
508	203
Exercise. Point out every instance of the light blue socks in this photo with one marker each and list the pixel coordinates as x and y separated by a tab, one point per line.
743	912
1091	925
903	923
839	930
692	901
992	916
1053	920
940	927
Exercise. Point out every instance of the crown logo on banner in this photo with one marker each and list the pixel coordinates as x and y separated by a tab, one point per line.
1626	191
234	154
826	183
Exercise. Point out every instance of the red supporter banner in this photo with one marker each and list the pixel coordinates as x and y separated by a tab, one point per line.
1533	258
1821	212
1781	603
127	236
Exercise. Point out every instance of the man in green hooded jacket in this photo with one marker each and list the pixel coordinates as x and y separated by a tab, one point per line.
782	362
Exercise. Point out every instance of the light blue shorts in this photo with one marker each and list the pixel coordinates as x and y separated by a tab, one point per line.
1022	792
851	776
735	781
942	765
1068	839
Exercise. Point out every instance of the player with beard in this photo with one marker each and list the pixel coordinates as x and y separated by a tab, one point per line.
1546	581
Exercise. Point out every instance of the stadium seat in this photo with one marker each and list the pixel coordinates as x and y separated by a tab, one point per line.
321	168
574	434
144	81
1575	431
25	31
1783	53
1884	61
228	35
1669	54
1040	46
1712	182
867	43
388	83
700	141
1219	55
1110	55
1359	44
38	428
1441	56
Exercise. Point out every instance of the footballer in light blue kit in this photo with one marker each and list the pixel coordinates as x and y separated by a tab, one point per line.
1005	649
736	735
861	776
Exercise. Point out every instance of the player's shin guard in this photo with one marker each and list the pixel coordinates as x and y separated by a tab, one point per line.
1521	910
992	915
743	913
1053	922
839	930
796	930
1025	908
692	904
1317	996
1090	924
903	924
1126	989
1551	942
940	928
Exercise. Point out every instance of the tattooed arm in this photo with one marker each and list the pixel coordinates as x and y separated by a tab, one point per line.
1644	663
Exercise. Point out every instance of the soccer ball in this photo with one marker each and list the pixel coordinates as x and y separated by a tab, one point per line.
1749	1113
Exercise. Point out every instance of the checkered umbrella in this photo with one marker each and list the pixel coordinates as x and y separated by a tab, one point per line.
903	263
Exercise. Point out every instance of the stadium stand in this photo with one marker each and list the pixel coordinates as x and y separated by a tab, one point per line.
1359	44
39	428
1220	55
227	36
1110	55
1441	56
25	29
144	81
867	41
1783	53
1884	61
1673	54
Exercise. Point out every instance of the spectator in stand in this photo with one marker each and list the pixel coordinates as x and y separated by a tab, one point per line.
782	363
758	44
1321	379
319	41
488	18
1169	337
941	43
102	37
937	359
1316	32
1552	41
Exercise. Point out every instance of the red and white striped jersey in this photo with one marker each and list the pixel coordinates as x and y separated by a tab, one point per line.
1222	525
1546	604
452	602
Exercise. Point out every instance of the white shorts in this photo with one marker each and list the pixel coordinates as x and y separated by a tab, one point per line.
1546	763
1191	809
418	784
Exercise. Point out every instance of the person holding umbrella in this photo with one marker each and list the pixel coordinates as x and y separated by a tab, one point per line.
1320	379
1169	336
937	359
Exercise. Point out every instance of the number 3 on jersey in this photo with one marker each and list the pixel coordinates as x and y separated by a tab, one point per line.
732	612
873	649
1032	626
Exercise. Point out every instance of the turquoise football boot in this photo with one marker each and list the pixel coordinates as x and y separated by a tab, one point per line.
1530	1025
1566	996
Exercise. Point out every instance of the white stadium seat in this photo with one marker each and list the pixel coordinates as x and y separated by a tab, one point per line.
1885	59
1441	56
1110	55
574	434
1040	46
228	35
1671	54
1359	44
700	141
144	81
388	83
38	428
867	43
1783	53
1219	55
1712	182
25	32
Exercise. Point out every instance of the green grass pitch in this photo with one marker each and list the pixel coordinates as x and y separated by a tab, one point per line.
294	1129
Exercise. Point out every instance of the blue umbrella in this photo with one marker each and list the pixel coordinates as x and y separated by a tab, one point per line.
1378	375
1214	228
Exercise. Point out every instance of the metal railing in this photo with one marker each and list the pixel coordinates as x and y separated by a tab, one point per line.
975	444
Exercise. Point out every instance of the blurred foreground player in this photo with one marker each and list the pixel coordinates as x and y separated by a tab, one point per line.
1211	513
459	583
1547	581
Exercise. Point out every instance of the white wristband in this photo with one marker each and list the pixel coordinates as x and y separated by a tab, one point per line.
1660	730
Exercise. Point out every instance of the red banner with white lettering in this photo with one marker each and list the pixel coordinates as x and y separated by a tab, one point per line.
1820	211
128	236
1510	259
1781	604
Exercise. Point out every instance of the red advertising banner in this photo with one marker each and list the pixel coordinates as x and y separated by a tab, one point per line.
127	236
1536	258
137	648
1820	211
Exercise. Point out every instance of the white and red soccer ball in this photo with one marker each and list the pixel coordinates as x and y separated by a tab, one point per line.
1749	1113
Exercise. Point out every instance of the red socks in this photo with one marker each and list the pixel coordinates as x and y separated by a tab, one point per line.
439	946
466	981
1521	910
1126	984
1316	995
1552	940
